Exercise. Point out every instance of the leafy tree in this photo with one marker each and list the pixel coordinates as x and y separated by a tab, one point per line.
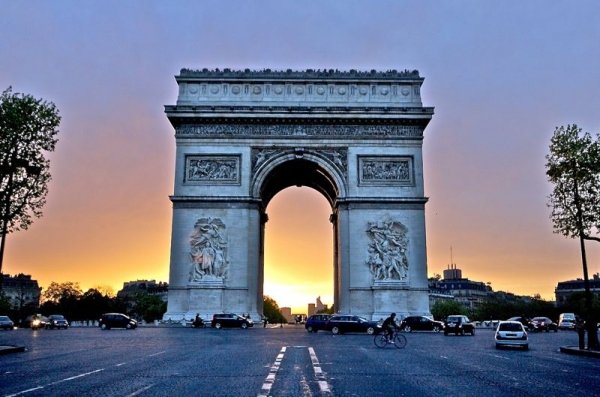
271	310
573	167
442	309
60	291
28	128
149	307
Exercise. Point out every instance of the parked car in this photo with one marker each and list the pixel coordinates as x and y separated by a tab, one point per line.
317	322
459	325
6	323
540	324
339	324
566	321
35	321
57	321
511	333
116	320
221	320
523	320
420	323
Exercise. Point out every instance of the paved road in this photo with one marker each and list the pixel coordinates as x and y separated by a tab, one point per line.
286	362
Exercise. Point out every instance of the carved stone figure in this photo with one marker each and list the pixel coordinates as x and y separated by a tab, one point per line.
208	251
213	169
386	256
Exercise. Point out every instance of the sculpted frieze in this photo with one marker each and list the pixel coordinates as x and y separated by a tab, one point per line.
210	169
208	251
383	171
338	156
282	130
387	251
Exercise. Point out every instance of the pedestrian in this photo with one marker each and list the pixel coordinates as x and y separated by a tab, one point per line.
580	328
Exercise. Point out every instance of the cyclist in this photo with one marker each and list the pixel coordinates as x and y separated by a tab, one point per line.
389	327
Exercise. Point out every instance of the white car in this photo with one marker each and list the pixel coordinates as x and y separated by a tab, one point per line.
511	333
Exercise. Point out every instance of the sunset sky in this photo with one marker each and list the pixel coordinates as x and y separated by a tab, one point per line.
501	76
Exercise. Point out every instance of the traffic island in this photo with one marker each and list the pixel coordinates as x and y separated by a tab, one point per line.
6	349
575	350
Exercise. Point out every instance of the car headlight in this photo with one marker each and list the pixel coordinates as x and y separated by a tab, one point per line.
35	322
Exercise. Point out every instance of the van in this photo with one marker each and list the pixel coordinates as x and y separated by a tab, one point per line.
566	321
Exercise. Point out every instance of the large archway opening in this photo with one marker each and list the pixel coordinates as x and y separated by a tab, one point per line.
298	264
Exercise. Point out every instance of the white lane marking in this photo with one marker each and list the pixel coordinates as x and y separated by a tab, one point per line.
25	391
321	379
76	376
268	383
157	354
55	383
119	364
143	389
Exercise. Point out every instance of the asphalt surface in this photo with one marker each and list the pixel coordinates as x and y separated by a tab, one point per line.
286	362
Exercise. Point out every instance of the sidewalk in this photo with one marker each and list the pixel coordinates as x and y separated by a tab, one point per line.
575	350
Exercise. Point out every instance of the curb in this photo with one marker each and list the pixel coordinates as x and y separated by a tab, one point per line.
11	349
575	350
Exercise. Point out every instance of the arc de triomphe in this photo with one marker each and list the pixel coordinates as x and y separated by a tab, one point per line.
243	136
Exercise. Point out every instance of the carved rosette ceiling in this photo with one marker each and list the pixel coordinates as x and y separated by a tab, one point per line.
208	251
387	251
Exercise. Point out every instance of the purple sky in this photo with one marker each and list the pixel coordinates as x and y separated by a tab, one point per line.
501	76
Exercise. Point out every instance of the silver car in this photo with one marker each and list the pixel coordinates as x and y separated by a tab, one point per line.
511	333
6	323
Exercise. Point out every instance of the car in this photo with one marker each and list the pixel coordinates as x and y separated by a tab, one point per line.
511	333
6	323
523	320
420	323
317	322
540	324
35	321
566	321
341	323
116	320
232	320
458	324
57	321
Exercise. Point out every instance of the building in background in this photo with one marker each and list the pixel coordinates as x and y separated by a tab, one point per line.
287	314
150	287
22	291
564	289
469	293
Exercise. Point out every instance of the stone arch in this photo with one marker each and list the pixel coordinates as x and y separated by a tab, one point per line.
306	169
242	136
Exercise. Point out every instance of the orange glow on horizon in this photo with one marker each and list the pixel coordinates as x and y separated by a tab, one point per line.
299	249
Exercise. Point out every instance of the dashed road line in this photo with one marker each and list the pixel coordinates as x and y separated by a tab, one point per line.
321	379
143	389
266	387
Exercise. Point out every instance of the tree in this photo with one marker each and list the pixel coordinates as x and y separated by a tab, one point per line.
28	129
57	292
573	167
271	310
442	309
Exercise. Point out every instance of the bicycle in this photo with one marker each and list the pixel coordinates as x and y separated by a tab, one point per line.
381	340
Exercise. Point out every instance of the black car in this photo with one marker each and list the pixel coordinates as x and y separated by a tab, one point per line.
420	323
540	324
35	321
116	320
339	324
221	320
57	321
317	322
458	325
